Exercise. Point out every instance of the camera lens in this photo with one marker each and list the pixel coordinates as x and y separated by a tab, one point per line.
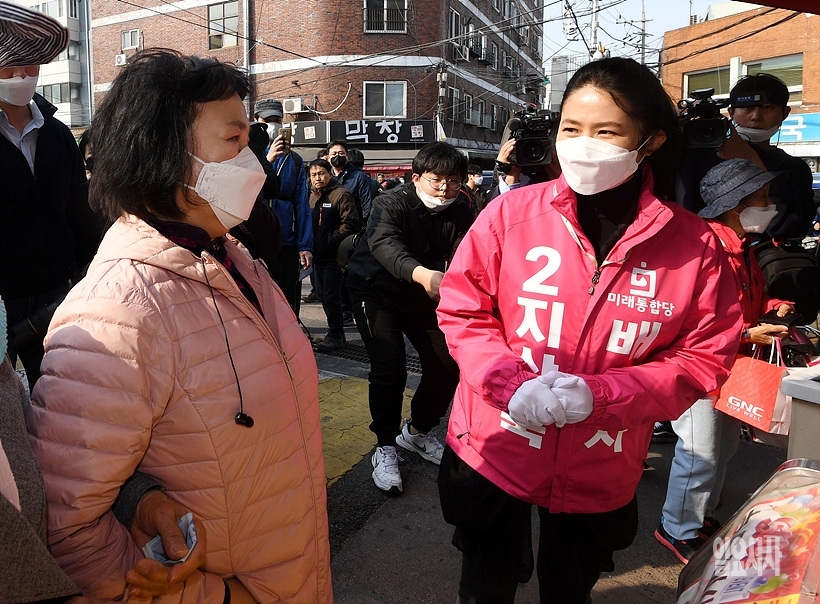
530	151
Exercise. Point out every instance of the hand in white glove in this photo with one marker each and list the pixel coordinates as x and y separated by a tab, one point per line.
572	392
534	405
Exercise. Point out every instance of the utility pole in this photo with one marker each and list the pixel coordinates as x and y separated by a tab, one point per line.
441	77
594	27
643	21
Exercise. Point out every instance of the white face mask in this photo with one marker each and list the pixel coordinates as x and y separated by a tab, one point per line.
753	135
478	180
431	202
756	220
591	165
231	186
18	91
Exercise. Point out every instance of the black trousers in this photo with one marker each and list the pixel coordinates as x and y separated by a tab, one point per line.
286	274
329	280
492	532
383	325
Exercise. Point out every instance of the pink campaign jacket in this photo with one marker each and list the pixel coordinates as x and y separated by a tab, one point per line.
137	376
651	330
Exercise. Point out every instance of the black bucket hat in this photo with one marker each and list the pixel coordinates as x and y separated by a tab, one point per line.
725	185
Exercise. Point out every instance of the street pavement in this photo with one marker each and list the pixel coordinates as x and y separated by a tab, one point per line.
397	550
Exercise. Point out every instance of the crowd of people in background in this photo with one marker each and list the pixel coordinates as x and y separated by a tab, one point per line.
153	309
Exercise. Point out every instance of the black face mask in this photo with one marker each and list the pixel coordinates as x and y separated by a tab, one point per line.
89	163
338	161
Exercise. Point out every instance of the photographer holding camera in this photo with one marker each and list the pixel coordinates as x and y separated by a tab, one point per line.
758	105
525	156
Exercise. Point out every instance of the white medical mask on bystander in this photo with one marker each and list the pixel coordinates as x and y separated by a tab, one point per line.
231	187
755	219
18	91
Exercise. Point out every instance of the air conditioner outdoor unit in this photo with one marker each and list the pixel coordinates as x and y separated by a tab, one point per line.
292	105
120	59
461	52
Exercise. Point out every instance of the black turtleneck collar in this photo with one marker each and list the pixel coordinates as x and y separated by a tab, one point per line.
604	216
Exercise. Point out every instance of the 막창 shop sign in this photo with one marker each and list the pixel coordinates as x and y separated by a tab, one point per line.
359	132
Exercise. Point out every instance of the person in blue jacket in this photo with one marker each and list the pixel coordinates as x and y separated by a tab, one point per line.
290	206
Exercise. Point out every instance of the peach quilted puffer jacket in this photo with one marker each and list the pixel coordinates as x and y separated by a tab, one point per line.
137	376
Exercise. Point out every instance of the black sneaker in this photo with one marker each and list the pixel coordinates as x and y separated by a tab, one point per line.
329	344
684	549
347	319
709	528
663	433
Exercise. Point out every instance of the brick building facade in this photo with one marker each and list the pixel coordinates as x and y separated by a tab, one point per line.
717	52
471	64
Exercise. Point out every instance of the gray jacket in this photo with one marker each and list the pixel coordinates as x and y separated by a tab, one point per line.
29	573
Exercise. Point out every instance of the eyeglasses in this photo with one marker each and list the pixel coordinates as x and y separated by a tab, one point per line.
438	184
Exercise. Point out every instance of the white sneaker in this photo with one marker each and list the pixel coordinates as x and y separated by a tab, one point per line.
386	469
425	445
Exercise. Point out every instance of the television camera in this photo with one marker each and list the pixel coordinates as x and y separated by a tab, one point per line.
532	130
702	124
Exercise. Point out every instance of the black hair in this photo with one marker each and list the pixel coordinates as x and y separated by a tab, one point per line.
636	90
440	158
473	169
341	143
85	140
320	163
321	153
142	131
355	157
773	88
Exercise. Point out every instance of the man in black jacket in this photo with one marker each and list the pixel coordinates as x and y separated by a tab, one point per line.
47	230
393	278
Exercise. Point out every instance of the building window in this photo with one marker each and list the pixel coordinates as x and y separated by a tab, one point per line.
452	103
223	24
59	93
455	27
713	78
468	109
493	116
494	55
788	68
385	99
479	113
53	8
385	16
72	52
73	10
130	39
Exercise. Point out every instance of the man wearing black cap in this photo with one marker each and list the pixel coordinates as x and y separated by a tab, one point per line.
759	104
47	230
290	205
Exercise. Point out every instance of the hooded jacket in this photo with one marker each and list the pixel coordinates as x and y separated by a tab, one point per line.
146	361
651	329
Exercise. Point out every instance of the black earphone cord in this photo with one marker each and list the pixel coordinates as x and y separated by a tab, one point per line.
241	418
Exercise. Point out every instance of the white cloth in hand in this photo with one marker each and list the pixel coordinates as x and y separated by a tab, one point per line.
572	392
534	405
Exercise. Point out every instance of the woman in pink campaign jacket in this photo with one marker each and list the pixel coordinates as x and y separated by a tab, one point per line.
580	311
178	357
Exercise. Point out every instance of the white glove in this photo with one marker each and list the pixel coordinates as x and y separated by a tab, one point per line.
534	405
572	392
